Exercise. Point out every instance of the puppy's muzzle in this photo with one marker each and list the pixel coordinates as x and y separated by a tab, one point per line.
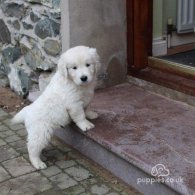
84	78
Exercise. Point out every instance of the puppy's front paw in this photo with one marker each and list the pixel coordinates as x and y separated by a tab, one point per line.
91	115
85	125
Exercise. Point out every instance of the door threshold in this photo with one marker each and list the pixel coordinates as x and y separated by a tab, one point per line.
171	67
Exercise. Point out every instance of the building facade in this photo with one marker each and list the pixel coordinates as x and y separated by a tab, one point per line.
35	33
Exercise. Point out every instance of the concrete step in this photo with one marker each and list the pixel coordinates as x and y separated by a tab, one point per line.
136	132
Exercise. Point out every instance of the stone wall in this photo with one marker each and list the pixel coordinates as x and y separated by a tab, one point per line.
29	42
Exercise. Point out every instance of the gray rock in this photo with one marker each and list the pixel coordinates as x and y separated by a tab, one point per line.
34	16
56	28
56	14
36	61
27	26
4	33
4	69
16	38
4	82
34	1
34	57
56	4
25	82
13	9
33	88
2	1
9	21
1	46
43	28
16	24
34	77
52	47
10	55
47	3
26	43
19	81
47	28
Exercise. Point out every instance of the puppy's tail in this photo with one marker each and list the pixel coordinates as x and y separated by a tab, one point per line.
19	117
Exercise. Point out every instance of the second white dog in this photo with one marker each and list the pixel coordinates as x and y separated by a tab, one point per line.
65	99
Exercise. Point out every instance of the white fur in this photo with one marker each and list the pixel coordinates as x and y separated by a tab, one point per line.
65	99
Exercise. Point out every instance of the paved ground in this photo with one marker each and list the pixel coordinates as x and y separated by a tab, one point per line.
68	171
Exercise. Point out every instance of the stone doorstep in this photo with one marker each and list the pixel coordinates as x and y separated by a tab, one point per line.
110	161
137	130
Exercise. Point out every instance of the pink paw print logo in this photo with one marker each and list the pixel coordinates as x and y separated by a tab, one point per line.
160	170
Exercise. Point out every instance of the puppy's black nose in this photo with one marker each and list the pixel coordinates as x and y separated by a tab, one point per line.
84	78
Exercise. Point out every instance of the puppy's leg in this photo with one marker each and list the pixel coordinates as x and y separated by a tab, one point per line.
90	114
77	114
37	140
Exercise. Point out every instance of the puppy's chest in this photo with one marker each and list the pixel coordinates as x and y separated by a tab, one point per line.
87	97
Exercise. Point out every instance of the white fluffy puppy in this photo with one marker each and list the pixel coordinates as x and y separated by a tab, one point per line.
65	99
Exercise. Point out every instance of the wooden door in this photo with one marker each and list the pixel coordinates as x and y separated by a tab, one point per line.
139	32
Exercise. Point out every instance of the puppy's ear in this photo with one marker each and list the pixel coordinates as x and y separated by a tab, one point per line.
62	66
96	59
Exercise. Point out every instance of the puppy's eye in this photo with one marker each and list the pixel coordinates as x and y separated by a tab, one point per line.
88	65
74	68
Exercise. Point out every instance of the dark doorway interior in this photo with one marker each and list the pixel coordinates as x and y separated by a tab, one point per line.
185	58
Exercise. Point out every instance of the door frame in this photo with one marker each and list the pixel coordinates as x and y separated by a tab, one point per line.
139	48
139	33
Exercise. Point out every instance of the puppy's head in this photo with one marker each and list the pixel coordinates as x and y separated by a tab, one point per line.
80	64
